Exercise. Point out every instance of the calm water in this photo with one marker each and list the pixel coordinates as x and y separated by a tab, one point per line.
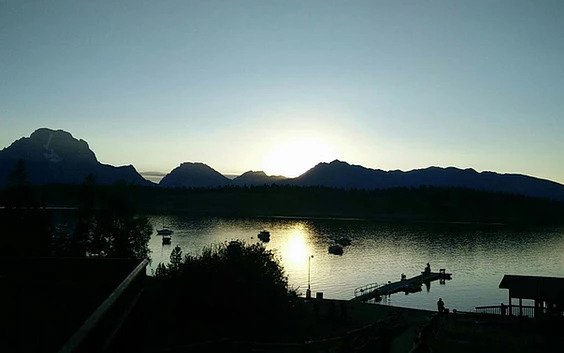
478	257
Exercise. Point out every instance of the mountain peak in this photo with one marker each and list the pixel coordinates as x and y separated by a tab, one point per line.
55	156
53	146
251	178
338	162
254	173
194	164
194	174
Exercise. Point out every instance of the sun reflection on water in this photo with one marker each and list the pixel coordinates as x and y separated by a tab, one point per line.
296	248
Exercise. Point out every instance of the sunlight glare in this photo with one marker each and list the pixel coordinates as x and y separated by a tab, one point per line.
295	251
294	157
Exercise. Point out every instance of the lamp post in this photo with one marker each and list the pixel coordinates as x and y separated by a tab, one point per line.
308	291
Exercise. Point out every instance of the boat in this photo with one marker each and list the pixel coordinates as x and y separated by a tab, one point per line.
164	231
344	241
336	249
264	235
166	239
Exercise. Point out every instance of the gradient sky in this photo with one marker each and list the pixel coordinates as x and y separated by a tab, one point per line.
282	85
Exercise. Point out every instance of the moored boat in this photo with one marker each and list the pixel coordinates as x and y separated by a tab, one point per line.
164	231
336	249
264	235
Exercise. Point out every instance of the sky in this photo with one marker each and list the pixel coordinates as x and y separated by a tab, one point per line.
282	85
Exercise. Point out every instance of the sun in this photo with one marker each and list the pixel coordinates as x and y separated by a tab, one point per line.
293	157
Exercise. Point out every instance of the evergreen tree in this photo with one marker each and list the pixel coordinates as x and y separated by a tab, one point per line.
175	259
24	219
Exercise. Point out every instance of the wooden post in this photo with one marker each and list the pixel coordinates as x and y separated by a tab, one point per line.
520	306
510	313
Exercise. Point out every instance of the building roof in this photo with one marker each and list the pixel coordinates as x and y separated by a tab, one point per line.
534	287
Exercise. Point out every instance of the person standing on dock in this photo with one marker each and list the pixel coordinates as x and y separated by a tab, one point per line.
441	306
428	268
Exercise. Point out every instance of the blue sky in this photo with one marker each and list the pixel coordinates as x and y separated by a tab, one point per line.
282	85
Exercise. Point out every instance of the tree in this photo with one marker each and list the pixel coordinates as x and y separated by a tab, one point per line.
107	224
27	229
117	230
19	193
176	259
161	271
175	266
225	291
120	235
86	214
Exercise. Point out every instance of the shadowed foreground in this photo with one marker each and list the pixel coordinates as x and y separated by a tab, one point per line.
488	333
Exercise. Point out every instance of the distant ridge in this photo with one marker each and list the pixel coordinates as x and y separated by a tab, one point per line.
342	175
338	174
56	157
252	178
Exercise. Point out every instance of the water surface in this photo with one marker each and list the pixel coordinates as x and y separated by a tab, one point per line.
477	256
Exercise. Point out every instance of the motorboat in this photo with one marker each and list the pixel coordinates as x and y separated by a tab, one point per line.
264	235
166	239
164	231
336	249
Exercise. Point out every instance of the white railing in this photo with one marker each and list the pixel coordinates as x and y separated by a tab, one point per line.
367	289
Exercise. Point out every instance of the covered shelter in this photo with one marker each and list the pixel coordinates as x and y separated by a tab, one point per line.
547	293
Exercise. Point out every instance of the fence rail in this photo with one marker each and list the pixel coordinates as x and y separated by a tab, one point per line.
97	332
513	310
367	288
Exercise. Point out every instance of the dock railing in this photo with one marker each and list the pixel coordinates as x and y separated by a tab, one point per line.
367	288
513	310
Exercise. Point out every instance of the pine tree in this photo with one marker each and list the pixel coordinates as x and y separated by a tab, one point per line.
175	260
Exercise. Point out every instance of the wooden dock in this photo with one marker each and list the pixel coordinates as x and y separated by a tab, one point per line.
409	285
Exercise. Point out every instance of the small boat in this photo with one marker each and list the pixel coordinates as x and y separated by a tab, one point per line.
344	241
166	239
264	235
164	231
336	249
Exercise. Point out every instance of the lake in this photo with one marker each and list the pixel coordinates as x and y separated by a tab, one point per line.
477	256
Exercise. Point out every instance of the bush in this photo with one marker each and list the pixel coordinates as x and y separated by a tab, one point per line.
231	290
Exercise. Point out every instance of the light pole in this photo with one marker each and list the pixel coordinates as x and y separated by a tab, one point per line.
308	291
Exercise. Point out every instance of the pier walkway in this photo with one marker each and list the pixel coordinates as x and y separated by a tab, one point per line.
411	285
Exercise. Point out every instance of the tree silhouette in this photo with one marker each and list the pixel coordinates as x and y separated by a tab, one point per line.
107	224
225	291
116	230
176	259
27	230
19	193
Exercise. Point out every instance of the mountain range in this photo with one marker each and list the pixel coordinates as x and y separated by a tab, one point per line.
339	174
56	157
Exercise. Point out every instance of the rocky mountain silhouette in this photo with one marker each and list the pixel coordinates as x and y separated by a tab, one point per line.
56	157
338	174
194	175
257	178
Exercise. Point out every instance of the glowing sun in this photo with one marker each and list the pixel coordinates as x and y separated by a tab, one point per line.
294	157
